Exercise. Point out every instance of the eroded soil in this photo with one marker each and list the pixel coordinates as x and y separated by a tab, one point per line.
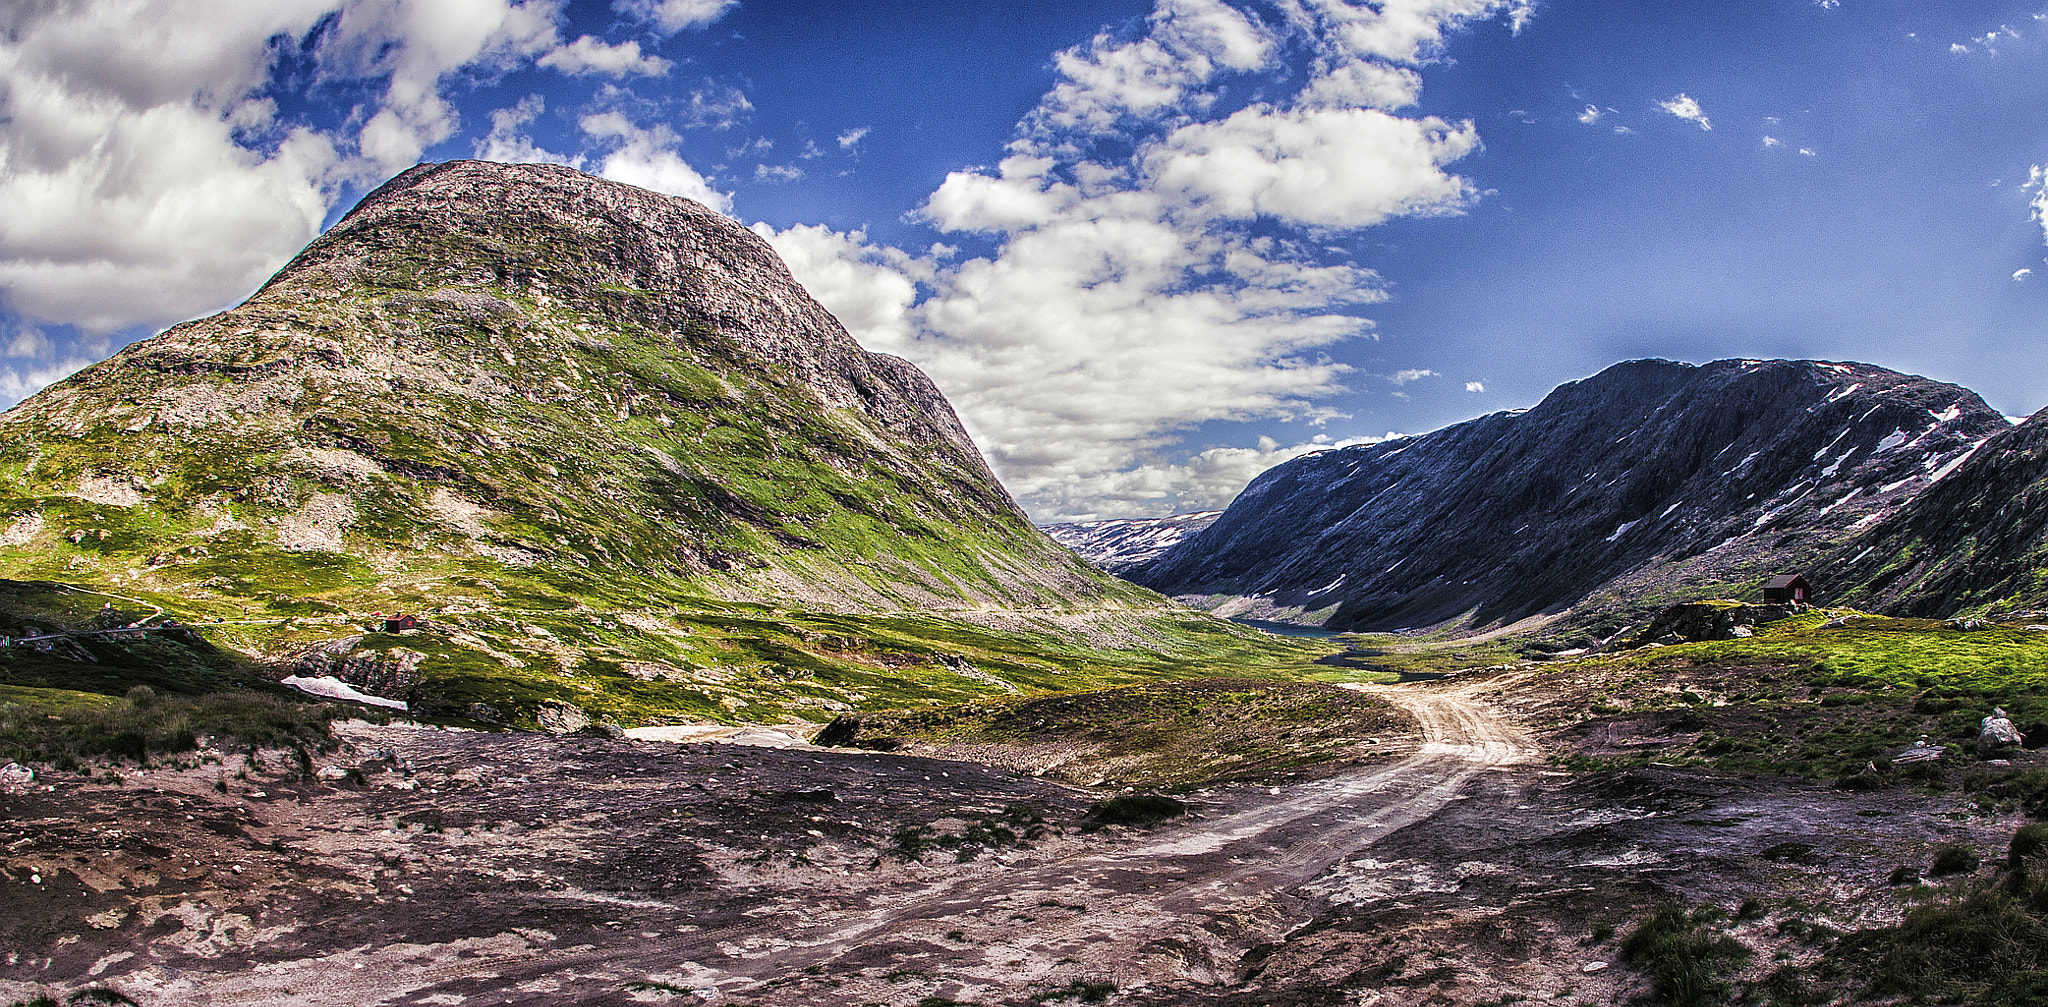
529	869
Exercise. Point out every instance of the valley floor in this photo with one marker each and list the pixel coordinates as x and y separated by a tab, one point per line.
471	868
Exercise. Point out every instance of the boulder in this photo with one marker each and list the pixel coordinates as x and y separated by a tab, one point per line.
1997	732
16	779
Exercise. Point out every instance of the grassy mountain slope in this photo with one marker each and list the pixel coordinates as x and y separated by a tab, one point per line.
580	426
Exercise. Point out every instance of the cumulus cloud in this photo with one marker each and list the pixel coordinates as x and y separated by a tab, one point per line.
146	176
414	44
851	137
648	158
1591	115
672	16
508	143
142	178
1403	377
1475	386
1131	296
1688	108
1187	43
589	55
2022	274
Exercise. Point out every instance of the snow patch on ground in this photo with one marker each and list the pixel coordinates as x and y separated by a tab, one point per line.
1623	530
334	688
1954	410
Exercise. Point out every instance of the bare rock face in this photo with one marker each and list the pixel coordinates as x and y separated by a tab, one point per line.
487	373
1650	479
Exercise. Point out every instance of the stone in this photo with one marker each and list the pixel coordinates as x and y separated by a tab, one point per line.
1997	732
16	779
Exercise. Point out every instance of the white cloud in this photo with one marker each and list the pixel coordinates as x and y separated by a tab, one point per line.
1591	115
508	143
2022	274
714	106
1188	43
1475	386
1688	108
1128	299
1772	141
1403	377
1809	152
777	173
414	44
1206	480
132	188
675	15
851	137
589	55
1519	15
1958	47
1322	167
647	158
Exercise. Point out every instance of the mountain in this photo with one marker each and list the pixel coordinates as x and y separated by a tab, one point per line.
494	394
1120	544
1648	482
1975	541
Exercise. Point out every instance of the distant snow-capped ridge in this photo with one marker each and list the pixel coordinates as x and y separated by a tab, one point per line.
1119	544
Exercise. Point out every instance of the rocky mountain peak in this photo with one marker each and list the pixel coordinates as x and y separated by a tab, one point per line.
467	228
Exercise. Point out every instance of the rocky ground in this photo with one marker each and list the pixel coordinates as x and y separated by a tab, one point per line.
458	867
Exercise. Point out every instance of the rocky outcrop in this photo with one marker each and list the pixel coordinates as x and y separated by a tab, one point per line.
1709	620
392	673
1650	478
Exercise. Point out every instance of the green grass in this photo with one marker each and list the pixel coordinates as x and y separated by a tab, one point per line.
1826	701
64	729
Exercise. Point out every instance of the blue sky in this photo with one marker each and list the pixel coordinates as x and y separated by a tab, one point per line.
1147	249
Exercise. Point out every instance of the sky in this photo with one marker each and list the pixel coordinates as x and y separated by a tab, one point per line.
1148	248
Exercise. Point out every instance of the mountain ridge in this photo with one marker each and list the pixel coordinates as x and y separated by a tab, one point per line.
1652	478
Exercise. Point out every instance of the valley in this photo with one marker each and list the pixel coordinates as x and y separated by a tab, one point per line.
531	595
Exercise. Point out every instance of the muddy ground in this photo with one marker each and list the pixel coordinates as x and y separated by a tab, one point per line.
1453	866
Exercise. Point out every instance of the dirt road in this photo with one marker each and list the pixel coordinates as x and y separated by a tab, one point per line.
1186	903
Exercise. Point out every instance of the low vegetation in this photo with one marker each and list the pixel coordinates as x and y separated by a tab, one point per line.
1981	938
1826	695
1167	736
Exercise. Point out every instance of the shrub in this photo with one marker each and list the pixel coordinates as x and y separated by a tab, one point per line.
2030	841
1685	955
1953	858
1137	809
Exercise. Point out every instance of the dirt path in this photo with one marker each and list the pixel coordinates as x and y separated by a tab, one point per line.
1182	906
561	899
